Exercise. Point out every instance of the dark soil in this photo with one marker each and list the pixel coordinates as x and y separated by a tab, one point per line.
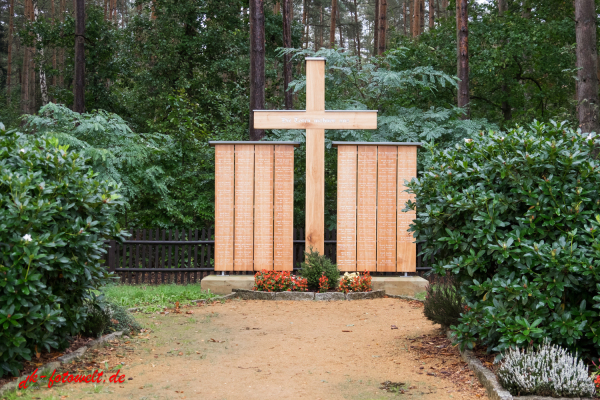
45	357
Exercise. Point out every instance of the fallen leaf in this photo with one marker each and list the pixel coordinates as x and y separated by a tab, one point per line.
394	327
216	341
189	312
346	331
180	353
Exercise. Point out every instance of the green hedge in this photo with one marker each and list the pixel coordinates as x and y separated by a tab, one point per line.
515	217
54	217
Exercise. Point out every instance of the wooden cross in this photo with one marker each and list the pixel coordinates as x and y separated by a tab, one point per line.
315	119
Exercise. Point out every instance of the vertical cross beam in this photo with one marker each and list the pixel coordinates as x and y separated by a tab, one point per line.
315	157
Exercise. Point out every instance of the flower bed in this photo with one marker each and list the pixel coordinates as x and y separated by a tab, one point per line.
284	281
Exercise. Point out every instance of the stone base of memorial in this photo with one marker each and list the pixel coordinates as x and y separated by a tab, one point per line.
392	285
245	294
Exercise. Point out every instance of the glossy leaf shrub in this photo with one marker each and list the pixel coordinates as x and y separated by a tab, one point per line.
443	302
54	217
515	217
314	266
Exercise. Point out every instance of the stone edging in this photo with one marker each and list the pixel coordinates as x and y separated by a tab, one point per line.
62	360
489	381
246	294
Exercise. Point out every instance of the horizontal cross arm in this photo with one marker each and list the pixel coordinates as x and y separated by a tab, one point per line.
285	119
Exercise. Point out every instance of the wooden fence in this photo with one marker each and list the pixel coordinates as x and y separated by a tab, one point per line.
154	256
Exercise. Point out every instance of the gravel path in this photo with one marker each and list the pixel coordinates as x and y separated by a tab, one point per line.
285	350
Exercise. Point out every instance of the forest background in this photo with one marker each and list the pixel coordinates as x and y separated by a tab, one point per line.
158	79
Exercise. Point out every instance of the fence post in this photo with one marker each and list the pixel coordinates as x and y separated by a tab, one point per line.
112	245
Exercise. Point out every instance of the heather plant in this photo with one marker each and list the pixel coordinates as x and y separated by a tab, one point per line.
548	371
54	217
314	266
443	303
514	217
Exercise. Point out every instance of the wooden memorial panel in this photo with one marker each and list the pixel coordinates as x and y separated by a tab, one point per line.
284	208
346	206
386	208
263	207
244	208
366	240
406	246
224	178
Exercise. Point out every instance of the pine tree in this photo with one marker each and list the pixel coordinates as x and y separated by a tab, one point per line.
257	64
587	64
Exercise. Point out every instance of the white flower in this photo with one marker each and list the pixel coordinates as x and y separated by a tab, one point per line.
589	137
468	140
502	138
22	151
27	238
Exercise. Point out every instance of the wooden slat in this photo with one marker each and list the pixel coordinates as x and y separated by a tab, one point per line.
263	207
243	245
195	264
224	203
386	208
406	246
315	119
164	257
366	237
284	208
346	208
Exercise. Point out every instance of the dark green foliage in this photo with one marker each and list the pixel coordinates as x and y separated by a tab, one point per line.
522	65
54	218
313	268
443	303
104	316
514	217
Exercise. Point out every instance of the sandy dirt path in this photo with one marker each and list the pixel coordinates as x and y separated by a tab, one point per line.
283	350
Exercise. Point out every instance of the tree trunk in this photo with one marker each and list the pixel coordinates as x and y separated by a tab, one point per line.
415	20
276	8
43	83
321	30
382	26
257	64
462	18
54	48
339	24
11	11
25	76
79	87
358	31
287	42
61	18
502	7
421	16
445	8
587	64
376	28
304	22
332	23
431	14
404	17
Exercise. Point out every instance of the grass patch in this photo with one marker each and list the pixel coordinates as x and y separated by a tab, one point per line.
155	298
421	295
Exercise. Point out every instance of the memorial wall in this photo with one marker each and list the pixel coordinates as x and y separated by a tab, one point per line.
254	205
372	230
